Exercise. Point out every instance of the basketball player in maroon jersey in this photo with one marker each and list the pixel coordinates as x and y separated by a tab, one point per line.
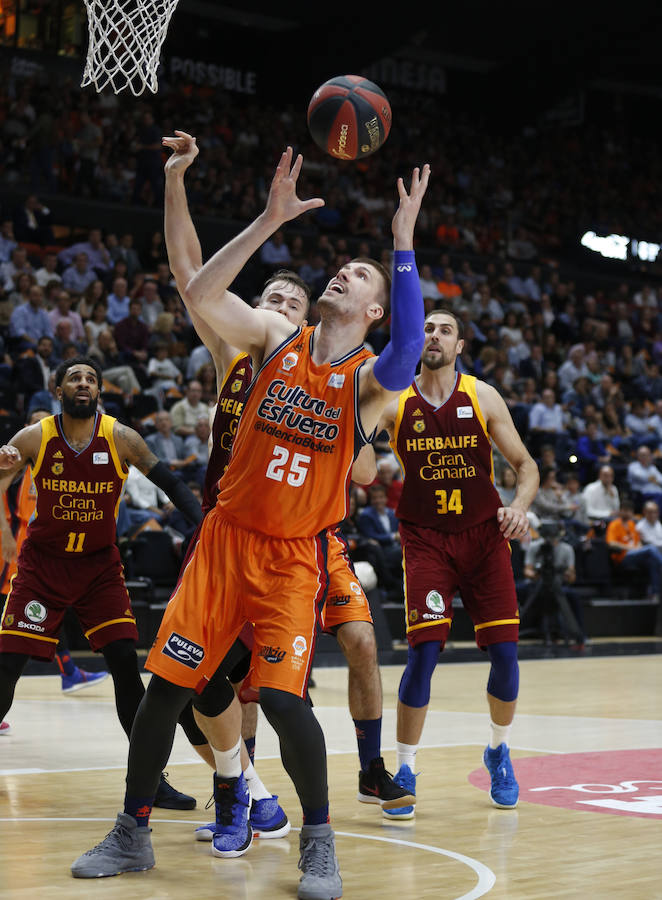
287	294
455	533
69	558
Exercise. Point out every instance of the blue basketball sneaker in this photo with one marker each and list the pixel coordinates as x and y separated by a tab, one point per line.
405	779
233	834
504	792
80	679
267	819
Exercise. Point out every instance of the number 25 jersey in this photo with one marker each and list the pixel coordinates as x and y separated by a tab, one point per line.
446	455
299	432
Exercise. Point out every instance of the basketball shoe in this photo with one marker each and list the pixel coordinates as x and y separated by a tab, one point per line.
267	819
126	848
233	834
405	779
504	792
168	797
377	786
321	876
5	728
80	679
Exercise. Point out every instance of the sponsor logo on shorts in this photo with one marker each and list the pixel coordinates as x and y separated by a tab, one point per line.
100	459
289	361
30	626
433	616
355	587
299	645
184	651
339	600
465	412
272	654
35	611
435	602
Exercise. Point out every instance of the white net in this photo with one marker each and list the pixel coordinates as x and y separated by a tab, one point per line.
125	39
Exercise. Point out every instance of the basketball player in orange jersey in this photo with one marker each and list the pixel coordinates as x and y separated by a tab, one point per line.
316	398
347	612
455	533
69	558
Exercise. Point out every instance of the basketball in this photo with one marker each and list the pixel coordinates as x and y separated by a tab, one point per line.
349	117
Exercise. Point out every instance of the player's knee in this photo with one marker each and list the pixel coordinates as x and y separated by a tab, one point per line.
215	699
120	653
503	682
414	687
358	644
12	666
281	707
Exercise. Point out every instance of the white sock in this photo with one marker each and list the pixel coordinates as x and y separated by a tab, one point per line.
255	786
228	762
499	734
405	755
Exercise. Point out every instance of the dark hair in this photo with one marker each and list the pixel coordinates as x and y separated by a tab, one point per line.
63	368
292	278
449	312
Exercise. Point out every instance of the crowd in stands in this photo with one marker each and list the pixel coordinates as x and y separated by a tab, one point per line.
580	369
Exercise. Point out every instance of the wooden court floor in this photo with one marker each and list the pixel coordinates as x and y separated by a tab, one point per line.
586	748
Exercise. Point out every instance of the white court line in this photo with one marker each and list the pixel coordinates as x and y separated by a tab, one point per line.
486	877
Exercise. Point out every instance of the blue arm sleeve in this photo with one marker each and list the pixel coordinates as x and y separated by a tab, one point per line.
395	367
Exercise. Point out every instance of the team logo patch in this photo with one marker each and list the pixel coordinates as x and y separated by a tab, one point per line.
336	380
355	587
435	602
465	412
183	651
272	654
619	782
100	459
299	645
57	468
9	620
236	385
289	361
413	615
35	611
419	426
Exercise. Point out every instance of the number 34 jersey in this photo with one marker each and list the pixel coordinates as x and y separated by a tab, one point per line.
299	432
446	455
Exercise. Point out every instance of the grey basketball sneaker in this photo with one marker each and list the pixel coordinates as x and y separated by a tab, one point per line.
319	864
126	848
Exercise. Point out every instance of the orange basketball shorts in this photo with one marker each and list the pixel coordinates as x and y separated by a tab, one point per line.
236	576
346	600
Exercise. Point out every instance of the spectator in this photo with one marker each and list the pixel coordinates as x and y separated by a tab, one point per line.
132	337
63	310
124	249
591	451
118	301
32	222
601	497
94	293
644	478
164	375
152	307
18	262
574	367
377	522
168	446
275	253
30	321
546	422
88	141
97	323
149	163
78	276
48	270
113	366
629	554
143	505
97	255
186	412
650	527
8	240
429	283
196	447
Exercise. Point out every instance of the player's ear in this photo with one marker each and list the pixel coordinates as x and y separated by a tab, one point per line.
375	312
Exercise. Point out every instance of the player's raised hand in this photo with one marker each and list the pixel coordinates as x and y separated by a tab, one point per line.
184	151
409	207
282	202
9	456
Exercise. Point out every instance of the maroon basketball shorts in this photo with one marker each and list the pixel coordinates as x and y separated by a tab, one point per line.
474	562
44	587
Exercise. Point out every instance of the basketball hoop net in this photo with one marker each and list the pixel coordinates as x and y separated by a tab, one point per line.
125	39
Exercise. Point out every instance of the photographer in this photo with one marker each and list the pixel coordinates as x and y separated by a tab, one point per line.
549	566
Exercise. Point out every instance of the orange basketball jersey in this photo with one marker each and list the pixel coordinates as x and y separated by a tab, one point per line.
446	455
24	506
78	492
298	435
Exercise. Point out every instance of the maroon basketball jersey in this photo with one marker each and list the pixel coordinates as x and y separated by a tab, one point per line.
228	409
446	456
78	491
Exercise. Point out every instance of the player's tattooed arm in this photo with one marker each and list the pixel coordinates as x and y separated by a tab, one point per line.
133	449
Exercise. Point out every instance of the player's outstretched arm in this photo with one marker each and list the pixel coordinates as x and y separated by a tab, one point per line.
513	519
207	292
7	539
133	450
364	470
395	367
183	244
22	449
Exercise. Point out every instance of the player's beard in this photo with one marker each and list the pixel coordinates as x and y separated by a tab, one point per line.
79	410
435	362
